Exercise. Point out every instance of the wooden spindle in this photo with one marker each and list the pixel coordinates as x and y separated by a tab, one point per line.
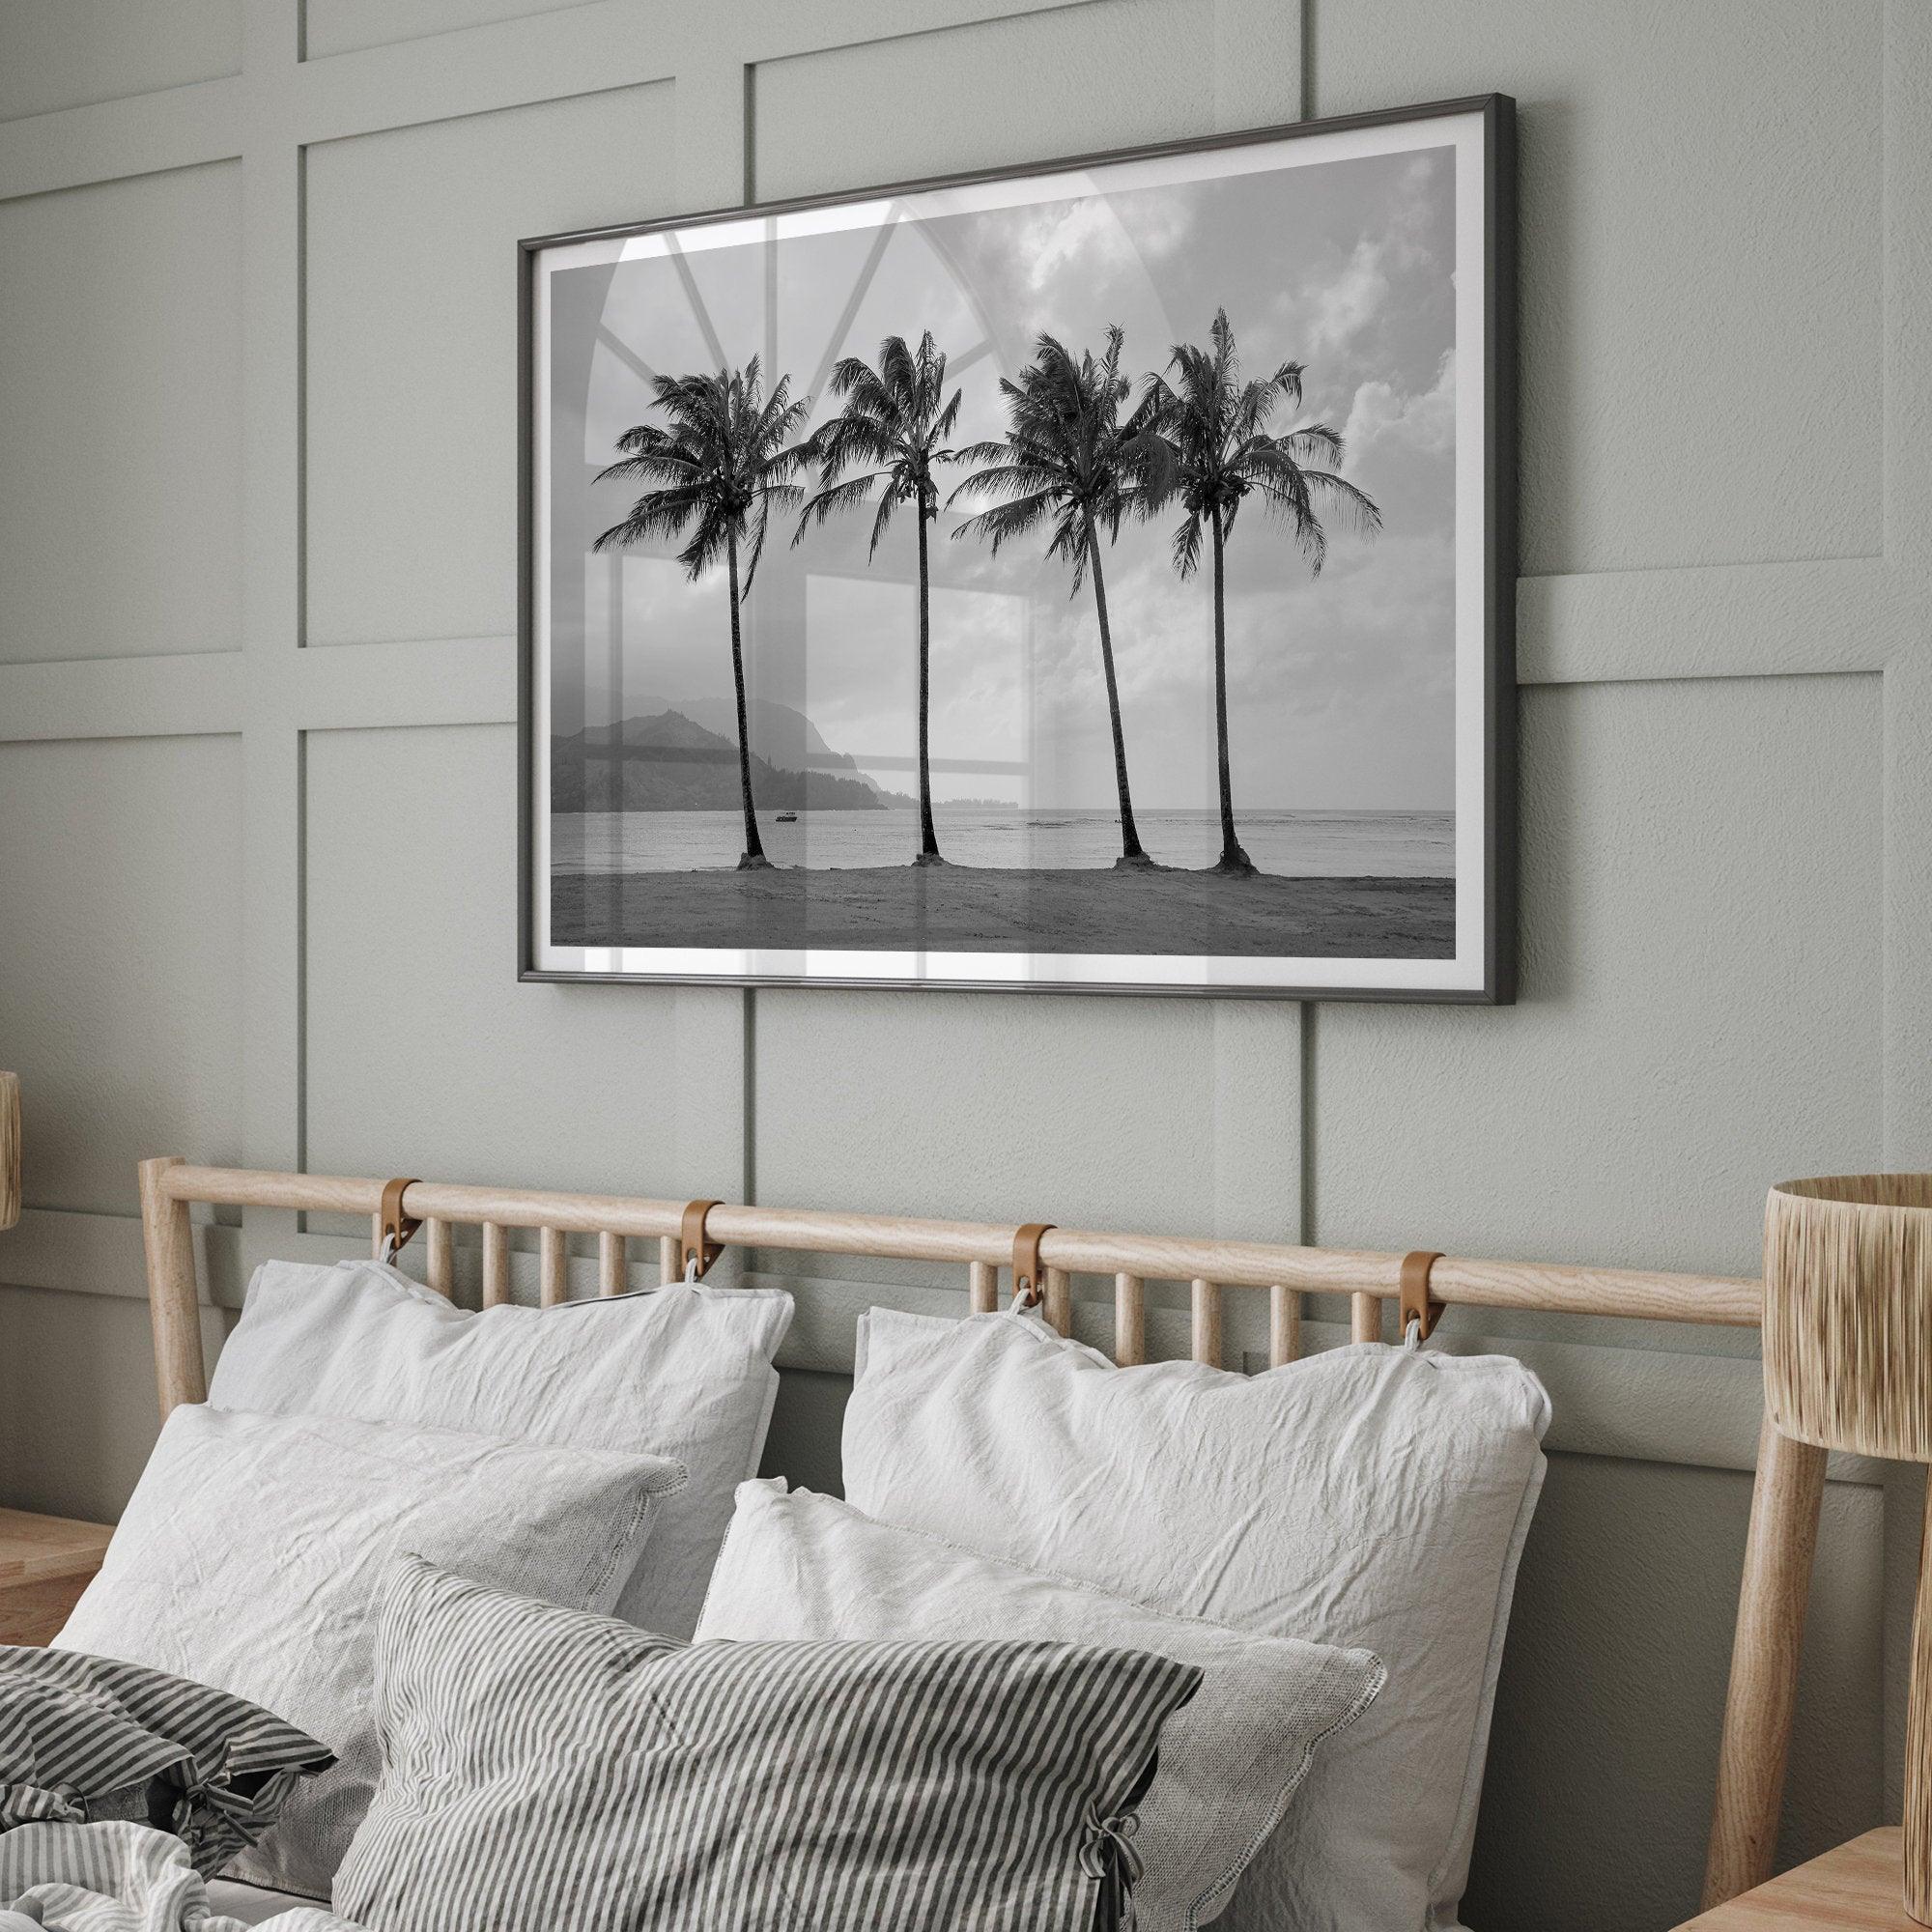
1207	1322
1130	1321
1059	1300
1364	1317
1284	1326
669	1268
611	1277
376	1237
495	1265
982	1287
553	1266
441	1237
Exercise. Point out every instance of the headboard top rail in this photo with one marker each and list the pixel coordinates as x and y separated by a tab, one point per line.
1559	1287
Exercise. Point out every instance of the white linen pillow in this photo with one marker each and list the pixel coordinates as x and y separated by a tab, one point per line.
253	1553
684	1372
806	1567
1374	1496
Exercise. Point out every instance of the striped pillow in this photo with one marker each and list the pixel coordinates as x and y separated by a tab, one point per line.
86	1738
550	1770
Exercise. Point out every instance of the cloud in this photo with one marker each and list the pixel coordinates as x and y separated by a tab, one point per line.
1059	233
1383	419
1339	309
1158	220
1352	294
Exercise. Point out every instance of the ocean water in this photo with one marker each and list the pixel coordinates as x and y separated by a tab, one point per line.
1306	844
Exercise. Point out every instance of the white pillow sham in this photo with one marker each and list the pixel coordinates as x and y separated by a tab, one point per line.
800	1566
1374	1496
253	1552
684	1372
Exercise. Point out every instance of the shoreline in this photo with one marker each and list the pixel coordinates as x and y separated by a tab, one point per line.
955	908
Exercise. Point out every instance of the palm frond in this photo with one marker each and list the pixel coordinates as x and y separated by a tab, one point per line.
832	498
1188	545
709	542
1313	443
1006	479
1356	511
887	504
1005	522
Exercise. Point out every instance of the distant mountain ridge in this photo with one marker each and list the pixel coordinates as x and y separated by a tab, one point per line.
673	763
781	735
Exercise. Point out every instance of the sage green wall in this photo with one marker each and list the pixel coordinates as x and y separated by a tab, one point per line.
257	745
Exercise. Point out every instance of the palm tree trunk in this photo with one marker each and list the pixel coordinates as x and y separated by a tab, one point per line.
929	839
1232	860
754	851
1131	852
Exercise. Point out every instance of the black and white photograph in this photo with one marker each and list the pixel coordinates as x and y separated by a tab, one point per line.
1082	577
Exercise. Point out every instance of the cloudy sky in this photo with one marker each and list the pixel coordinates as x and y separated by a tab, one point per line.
1340	687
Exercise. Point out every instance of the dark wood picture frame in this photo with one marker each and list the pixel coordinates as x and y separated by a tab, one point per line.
1498	911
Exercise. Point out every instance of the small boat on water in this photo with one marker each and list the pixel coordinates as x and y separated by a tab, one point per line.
787	818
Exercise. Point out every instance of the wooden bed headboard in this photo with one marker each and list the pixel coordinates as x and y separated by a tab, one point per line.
1786	1495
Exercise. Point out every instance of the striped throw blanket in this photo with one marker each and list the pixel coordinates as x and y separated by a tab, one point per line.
118	1877
85	1738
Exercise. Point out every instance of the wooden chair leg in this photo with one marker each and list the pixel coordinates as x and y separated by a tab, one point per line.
1786	1501
1918	1819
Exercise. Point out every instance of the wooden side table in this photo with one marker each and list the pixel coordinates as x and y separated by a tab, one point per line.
46	1563
1859	1888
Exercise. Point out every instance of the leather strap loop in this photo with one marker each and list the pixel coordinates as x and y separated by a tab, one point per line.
1418	1305
394	1225
693	1246
1029	1277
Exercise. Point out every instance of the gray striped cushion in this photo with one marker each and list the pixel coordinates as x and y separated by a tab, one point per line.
550	1770
85	1738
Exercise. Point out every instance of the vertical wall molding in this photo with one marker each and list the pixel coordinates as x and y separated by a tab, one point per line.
1261	1177
271	589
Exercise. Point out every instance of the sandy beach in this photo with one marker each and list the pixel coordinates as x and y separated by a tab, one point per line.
982	909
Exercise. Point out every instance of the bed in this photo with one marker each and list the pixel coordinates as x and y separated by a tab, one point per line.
1041	1263
251	1904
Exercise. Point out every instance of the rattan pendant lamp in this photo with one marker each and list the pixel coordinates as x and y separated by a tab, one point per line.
1848	1365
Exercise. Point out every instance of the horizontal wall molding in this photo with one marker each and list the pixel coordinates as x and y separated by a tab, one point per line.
195	694
482	70
436	681
1715	621
69	1253
1736	621
143	134
592	49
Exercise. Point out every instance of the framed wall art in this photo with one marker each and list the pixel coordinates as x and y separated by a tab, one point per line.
1092	575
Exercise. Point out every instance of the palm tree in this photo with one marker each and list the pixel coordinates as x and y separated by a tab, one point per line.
1069	460
1217	428
896	420
727	459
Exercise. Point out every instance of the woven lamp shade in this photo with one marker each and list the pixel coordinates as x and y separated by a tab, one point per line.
1848	1313
9	1148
